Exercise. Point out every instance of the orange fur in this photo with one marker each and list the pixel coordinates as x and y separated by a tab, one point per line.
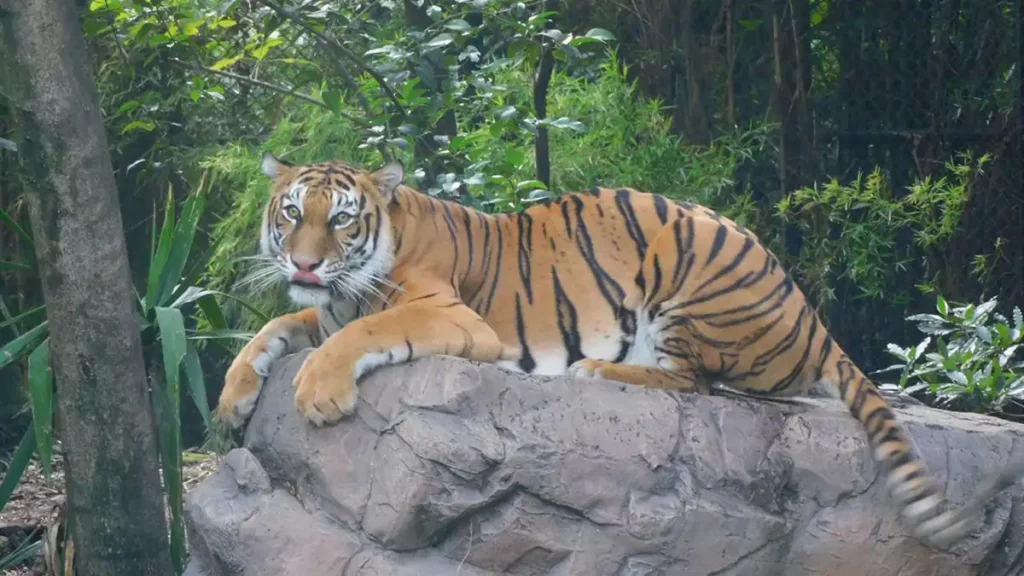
614	283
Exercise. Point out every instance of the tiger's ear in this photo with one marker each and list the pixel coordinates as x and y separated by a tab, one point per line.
388	178
272	166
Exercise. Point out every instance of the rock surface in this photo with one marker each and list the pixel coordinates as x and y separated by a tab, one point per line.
452	467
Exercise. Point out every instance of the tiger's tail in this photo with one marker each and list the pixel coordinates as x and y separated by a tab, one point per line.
930	517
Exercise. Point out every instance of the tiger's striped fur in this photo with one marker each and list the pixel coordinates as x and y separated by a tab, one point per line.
612	283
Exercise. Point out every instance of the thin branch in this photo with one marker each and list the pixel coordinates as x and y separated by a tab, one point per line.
348	54
281	90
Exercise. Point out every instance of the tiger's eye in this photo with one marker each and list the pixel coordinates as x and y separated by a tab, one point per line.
292	212
341	220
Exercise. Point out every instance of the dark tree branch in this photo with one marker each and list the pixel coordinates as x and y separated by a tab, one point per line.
116	510
542	81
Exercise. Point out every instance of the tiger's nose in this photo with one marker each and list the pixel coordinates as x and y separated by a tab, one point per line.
305	263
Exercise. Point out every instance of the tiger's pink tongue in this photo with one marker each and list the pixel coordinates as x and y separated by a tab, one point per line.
307	277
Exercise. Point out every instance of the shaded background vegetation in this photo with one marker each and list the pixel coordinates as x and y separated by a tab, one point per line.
875	145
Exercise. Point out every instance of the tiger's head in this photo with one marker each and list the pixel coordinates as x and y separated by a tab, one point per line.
326	228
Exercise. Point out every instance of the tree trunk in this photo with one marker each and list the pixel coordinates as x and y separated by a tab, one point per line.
115	500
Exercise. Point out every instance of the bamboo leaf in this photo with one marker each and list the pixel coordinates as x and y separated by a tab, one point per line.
198	294
22	316
169	438
167	406
162	250
26	550
212	310
181	244
225	334
17	466
196	381
9	222
19	346
40	382
14	266
172	343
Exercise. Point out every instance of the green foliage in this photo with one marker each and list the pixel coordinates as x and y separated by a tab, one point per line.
858	232
615	138
976	363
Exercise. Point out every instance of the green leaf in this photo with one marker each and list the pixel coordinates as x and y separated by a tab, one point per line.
168	270
440	41
9	222
22	316
195	294
172	343
14	266
225	62
225	334
458	25
147	125
40	384
212	311
985	308
128	106
167	406
515	156
16	466
1007	354
333	100
20	345
196	381
159	255
600	34
28	549
263	318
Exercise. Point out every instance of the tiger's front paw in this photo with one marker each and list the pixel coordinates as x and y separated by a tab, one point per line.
244	380
325	388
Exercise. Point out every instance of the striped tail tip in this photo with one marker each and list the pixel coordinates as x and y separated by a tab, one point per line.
923	505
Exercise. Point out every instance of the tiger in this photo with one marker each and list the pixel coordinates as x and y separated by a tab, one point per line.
610	283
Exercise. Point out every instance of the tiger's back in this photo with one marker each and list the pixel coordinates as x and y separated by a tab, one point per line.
620	276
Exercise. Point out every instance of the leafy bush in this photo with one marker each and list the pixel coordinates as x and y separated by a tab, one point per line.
975	364
866	234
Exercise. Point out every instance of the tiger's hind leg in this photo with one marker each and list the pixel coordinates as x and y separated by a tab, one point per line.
659	378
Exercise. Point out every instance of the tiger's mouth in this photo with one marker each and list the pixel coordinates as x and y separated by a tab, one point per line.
312	285
305	278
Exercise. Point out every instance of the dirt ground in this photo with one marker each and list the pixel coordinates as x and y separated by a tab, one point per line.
36	505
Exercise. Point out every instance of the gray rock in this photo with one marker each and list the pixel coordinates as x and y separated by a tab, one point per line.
453	467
